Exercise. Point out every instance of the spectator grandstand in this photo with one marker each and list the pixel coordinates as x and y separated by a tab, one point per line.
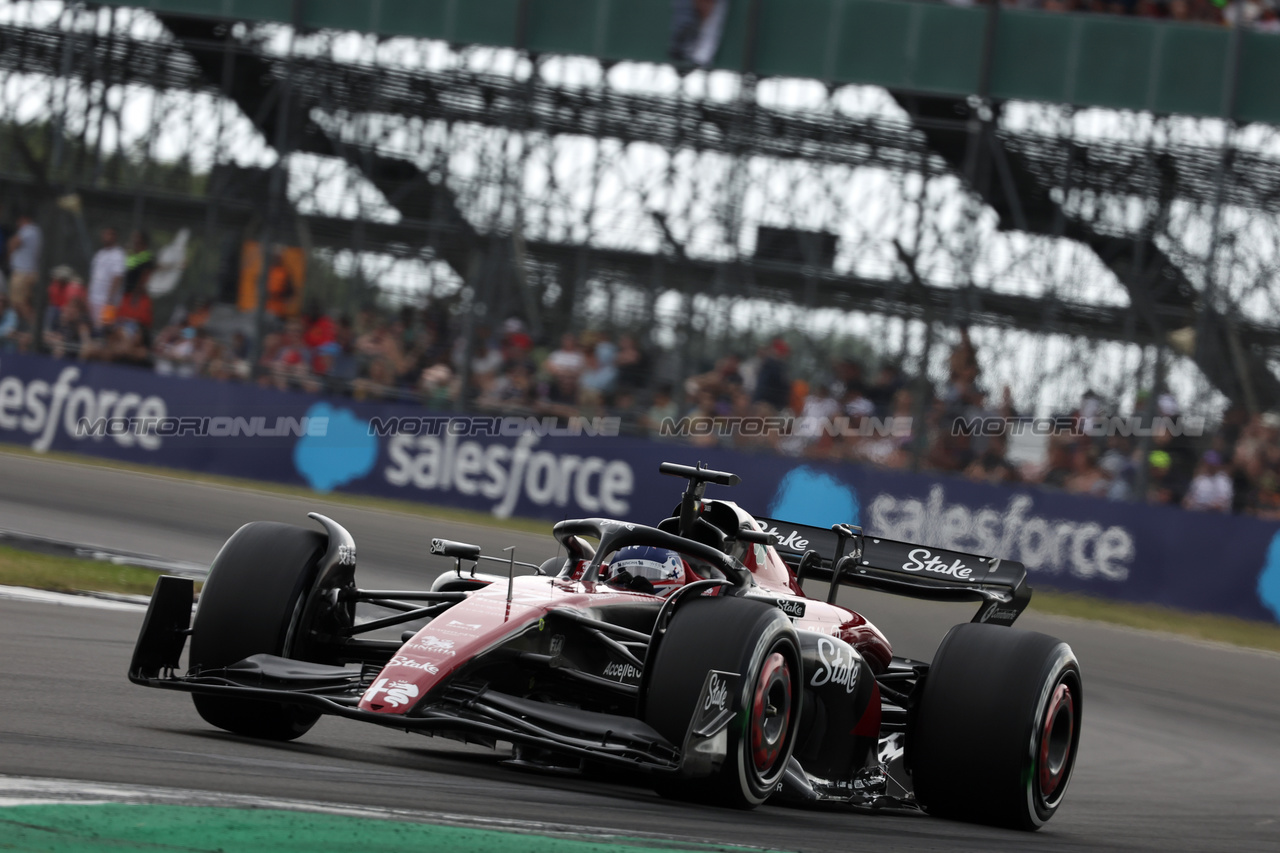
961	226
842	410
1258	14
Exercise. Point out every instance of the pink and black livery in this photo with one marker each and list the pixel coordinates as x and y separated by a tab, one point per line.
733	687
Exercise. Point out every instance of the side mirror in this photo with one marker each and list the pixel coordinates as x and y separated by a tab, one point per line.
457	550
759	537
699	474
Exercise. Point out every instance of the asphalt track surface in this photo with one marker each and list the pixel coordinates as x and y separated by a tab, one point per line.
1180	747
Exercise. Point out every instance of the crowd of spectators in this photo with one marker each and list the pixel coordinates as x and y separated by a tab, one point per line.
1233	468
1258	14
837	412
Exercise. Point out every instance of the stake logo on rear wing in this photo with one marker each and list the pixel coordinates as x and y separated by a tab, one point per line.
843	555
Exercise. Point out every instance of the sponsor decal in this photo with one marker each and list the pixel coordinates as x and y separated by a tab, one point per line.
994	611
437	546
621	671
791	542
453	628
39	409
346	555
835	666
557	645
922	560
410	663
717	694
505	475
791	607
1085	549
434	644
339	455
715	706
816	496
397	692
1269	578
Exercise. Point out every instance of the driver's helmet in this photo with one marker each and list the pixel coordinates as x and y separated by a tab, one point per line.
662	568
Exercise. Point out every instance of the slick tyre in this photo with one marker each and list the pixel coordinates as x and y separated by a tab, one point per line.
251	604
994	736
731	635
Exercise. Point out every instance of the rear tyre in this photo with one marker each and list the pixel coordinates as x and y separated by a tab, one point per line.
995	734
251	604
734	635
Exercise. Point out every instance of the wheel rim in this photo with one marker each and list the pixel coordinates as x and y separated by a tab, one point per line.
770	713
1056	740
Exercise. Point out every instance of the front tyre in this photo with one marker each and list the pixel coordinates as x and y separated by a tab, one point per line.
994	736
734	635
252	604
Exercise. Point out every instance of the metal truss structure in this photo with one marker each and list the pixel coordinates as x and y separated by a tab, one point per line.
1084	249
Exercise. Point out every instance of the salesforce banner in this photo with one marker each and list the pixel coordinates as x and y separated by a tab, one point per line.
520	467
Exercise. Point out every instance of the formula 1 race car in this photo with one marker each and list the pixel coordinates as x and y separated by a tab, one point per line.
687	651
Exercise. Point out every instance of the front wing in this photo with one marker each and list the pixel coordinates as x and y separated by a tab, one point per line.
484	715
480	715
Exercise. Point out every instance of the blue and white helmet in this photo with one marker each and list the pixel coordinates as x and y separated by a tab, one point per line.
659	566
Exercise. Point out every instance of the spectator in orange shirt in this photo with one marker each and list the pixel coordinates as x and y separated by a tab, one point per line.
281	287
135	305
199	315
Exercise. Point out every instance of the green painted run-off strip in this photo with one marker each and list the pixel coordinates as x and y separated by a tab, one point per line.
72	827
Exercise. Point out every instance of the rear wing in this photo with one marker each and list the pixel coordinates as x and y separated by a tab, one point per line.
843	555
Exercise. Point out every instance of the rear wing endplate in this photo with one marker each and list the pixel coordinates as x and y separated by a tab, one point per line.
842	554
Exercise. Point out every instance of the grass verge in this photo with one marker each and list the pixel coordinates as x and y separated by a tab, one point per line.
1154	617
70	574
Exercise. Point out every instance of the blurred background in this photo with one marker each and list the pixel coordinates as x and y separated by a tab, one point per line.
907	217
699	208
